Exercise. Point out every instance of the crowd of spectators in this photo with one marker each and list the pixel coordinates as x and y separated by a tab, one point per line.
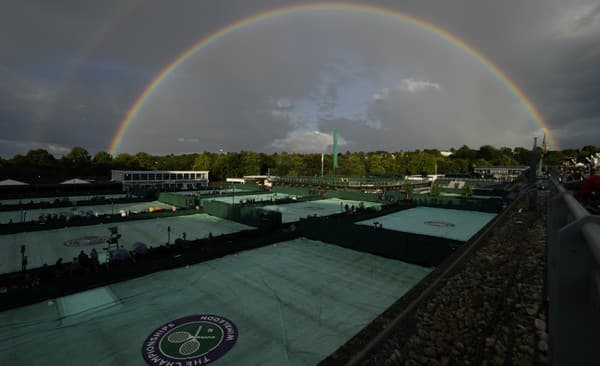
589	193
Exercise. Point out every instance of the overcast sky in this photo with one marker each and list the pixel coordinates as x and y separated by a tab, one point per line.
70	71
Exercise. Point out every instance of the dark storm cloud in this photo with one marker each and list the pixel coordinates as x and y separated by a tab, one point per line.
70	70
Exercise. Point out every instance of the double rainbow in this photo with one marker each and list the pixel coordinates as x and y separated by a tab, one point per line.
512	87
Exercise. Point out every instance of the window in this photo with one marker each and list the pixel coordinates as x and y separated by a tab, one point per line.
136	176
186	175
173	176
144	176
179	176
126	176
151	176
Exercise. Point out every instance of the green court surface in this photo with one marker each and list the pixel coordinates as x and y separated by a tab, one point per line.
244	197
48	246
291	212
33	215
52	199
445	223
293	303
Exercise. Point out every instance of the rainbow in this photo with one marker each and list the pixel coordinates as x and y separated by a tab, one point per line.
512	87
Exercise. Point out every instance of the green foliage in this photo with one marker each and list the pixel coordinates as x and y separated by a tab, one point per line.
467	189
203	162
40	165
522	156
435	189
102	158
77	162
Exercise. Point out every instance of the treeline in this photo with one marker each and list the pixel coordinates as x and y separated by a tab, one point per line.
39	166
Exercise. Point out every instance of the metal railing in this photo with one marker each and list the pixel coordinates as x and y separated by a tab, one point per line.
573	280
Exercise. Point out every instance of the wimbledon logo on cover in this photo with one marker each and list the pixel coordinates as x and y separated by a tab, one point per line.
190	341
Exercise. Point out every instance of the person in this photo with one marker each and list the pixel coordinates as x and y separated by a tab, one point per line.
58	267
589	186
83	259
94	258
24	263
589	194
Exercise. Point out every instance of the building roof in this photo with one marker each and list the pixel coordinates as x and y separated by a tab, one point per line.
75	181
12	182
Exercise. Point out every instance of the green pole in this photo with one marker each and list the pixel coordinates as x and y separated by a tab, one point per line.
335	152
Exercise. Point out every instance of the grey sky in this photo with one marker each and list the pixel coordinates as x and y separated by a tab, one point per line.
70	70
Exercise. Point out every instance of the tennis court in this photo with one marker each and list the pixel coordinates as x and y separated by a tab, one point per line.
34	214
61	198
292	303
48	246
445	223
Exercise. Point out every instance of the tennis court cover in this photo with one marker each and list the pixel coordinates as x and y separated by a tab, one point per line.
445	223
290	303
49	245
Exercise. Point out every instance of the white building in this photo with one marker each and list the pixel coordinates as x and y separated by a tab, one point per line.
133	180
503	172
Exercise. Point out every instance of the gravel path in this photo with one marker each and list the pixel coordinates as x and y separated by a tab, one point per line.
490	310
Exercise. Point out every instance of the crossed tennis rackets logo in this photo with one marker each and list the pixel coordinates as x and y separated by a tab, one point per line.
196	338
189	343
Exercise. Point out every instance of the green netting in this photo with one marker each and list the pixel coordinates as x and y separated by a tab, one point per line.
355	196
48	246
292	191
247	215
489	204
293	303
445	223
295	211
241	198
177	200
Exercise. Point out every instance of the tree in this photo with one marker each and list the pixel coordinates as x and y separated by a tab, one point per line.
488	152
353	165
102	163
102	158
145	161
421	162
78	161
375	165
39	158
435	189
250	163
465	152
203	162
124	161
467	189
522	156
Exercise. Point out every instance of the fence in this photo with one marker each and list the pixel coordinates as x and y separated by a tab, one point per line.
343	181
247	215
178	200
573	280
